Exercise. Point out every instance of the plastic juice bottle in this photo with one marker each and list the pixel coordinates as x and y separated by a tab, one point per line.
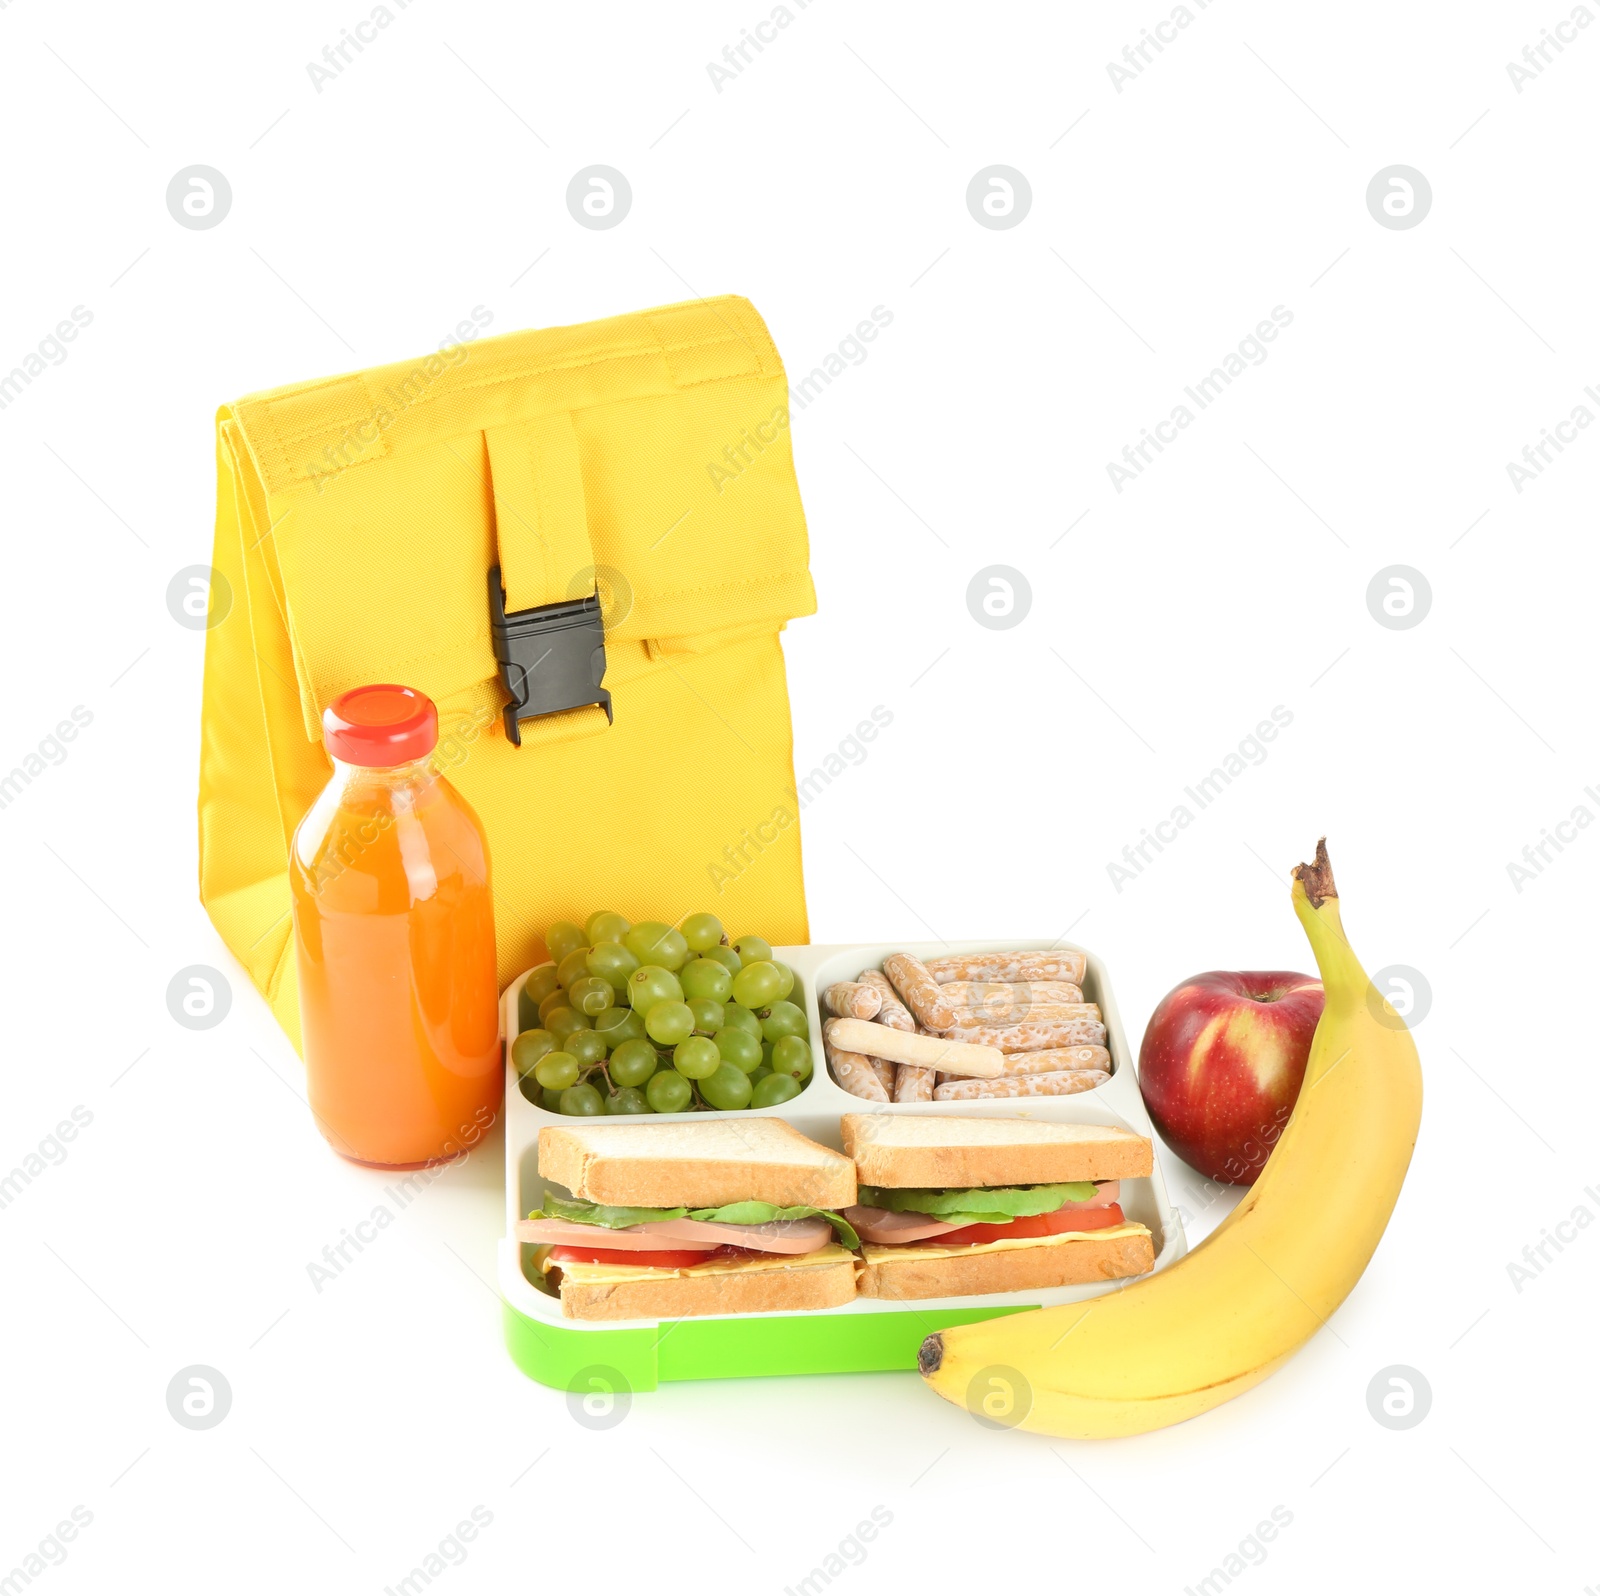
394	936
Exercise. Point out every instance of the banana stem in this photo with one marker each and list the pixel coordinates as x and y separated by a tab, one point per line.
1316	878
1316	904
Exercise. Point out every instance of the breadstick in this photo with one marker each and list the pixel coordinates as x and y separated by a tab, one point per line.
1056	1083
884	1070
853	1000
919	991
1062	965
893	1012
1046	1059
903	1047
912	1085
1009	994
1034	1014
856	1075
1030	1038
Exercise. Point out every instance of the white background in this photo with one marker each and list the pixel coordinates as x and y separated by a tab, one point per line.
1228	177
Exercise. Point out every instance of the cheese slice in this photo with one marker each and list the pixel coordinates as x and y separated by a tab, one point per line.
590	1274
875	1252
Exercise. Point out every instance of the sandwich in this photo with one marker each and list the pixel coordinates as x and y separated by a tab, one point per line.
708	1216
952	1207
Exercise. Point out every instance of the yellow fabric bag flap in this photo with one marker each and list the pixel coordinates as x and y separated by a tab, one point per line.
646	457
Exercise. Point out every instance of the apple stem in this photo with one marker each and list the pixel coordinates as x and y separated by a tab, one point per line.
1317	877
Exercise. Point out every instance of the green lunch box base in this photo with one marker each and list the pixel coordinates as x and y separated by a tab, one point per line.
722	1349
637	1355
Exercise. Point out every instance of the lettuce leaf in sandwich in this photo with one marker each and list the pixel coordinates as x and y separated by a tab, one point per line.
740	1213
978	1205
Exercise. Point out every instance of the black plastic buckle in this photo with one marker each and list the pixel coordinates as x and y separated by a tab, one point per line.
551	658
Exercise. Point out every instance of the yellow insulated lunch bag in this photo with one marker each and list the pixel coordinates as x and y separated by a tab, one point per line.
582	544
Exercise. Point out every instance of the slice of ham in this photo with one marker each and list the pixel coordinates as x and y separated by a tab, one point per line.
788	1236
567	1232
792	1236
888	1227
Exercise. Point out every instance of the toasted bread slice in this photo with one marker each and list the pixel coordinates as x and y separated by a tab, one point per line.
909	1273
699	1163
788	1285
949	1150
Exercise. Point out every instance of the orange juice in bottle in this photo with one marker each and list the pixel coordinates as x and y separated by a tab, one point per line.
394	937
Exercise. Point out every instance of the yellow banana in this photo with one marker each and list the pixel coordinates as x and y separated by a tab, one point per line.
1220	1320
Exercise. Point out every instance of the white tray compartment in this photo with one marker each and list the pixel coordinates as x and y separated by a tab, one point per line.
815	1113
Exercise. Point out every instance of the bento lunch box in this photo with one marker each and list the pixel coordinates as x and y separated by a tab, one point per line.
867	1334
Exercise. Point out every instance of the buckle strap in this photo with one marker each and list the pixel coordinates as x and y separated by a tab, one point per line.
551	658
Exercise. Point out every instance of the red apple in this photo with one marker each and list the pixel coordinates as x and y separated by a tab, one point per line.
1221	1065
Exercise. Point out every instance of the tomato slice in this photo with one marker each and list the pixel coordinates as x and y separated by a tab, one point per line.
678	1258
1062	1220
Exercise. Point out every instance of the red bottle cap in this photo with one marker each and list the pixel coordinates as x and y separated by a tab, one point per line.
381	725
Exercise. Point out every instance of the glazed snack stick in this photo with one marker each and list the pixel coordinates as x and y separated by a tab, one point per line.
912	1085
894	1012
1055	1083
1064	965
955	1057
856	1075
864	1000
1035	1014
1030	1038
851	1000
1047	1059
1009	994
919	991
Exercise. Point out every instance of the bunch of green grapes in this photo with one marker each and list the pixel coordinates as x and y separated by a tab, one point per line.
659	1019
